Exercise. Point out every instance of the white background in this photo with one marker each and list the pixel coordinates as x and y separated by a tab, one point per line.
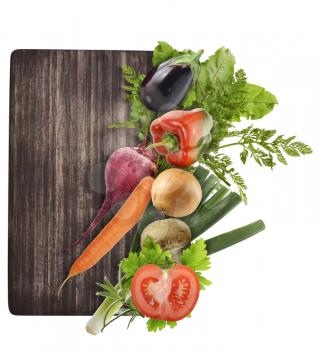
265	290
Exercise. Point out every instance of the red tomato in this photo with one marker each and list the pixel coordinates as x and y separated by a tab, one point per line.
165	294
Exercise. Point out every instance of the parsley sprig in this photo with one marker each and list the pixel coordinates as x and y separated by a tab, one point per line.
151	253
197	259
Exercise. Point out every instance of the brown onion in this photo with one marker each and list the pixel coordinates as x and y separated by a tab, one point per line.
176	193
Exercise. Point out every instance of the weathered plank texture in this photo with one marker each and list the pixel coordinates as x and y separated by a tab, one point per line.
60	104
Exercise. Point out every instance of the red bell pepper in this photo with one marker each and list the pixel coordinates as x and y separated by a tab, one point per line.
182	136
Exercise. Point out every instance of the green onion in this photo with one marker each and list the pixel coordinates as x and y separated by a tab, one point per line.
227	239
207	218
208	186
201	173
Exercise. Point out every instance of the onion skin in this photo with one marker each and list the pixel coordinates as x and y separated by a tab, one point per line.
176	193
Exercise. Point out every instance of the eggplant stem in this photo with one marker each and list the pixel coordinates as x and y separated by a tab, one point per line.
197	55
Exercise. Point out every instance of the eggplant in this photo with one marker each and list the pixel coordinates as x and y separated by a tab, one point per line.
165	86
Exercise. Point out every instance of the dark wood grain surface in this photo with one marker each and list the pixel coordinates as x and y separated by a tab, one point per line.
60	105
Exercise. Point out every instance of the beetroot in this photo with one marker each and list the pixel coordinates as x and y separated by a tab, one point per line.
123	171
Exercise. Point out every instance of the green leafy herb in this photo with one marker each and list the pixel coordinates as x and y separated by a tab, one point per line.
204	282
140	116
216	70
227	95
221	165
118	301
258	102
159	325
151	253
164	52
196	257
260	145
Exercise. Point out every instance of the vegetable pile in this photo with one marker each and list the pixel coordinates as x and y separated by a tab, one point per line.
229	98
175	183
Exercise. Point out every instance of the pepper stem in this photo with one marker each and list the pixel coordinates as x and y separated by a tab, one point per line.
170	141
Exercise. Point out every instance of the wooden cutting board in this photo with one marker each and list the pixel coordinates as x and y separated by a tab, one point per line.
60	105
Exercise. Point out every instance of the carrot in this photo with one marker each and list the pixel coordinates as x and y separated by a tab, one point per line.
124	220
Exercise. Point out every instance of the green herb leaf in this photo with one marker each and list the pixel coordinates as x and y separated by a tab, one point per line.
196	256
243	155
217	69
301	147
197	259
259	145
190	99
163	52
258	102
222	167
129	124
140	116
204	282
159	325
151	253
131	264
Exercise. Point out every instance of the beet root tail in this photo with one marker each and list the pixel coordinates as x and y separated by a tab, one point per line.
106	206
